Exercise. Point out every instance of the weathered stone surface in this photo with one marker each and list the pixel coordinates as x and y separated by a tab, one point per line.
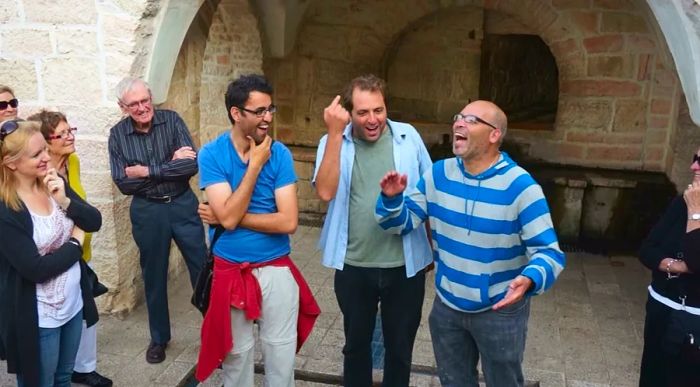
584	113
612	66
72	80
26	42
76	42
24	80
622	22
630	115
598	88
61	12
9	12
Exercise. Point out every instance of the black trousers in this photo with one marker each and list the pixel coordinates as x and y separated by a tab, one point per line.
154	226
659	369
359	291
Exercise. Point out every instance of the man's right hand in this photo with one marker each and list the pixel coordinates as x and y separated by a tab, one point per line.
393	183
259	153
336	117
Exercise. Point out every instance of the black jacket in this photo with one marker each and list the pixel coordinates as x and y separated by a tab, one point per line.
21	268
669	239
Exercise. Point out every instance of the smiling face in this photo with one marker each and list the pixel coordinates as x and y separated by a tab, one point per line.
249	123
66	144
9	113
34	161
138	105
368	114
473	140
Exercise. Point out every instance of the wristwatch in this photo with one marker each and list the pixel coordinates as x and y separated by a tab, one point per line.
695	216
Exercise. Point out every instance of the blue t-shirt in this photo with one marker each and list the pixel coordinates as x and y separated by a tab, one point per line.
219	162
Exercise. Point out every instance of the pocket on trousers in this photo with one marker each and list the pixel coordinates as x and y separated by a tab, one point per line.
514	309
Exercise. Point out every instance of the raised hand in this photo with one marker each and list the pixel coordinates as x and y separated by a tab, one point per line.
393	183
516	291
56	187
259	153
336	117
185	152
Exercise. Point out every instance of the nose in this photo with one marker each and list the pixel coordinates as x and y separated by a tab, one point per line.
372	118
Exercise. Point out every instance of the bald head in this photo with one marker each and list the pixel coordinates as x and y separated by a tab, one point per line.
489	112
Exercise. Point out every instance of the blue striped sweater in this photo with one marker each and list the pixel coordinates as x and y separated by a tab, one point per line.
486	230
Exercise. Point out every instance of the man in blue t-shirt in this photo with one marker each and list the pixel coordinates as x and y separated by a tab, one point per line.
250	183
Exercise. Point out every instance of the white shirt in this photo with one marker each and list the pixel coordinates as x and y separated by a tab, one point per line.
58	299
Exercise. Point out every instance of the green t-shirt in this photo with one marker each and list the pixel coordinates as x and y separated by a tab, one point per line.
368	244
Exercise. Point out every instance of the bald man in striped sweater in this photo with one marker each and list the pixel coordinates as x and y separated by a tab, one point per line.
494	246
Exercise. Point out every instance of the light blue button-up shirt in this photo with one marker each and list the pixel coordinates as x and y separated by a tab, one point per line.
410	158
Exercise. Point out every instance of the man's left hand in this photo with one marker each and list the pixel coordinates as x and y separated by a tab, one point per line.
136	171
516	291
185	152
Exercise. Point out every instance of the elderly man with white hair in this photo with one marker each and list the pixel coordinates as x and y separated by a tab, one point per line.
152	157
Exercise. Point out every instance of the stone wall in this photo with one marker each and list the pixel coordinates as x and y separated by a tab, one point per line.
618	90
68	56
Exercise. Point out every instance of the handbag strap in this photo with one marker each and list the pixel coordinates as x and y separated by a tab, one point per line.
218	230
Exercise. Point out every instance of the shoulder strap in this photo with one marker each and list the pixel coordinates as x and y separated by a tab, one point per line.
218	230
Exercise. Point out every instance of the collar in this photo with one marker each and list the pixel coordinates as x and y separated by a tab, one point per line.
158	119
398	131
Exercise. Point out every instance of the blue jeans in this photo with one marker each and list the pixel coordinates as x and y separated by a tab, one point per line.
359	290
57	350
459	339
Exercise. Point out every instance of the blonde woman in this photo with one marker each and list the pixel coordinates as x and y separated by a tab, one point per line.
60	138
43	287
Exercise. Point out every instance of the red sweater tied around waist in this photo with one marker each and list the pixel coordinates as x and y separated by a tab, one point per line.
235	286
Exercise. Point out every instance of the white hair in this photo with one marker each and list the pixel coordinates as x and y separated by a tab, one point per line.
127	84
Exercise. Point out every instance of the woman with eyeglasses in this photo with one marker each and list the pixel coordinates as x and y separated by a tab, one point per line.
8	103
60	138
671	355
44	289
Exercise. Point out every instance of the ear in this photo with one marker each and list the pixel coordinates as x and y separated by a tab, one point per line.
124	109
235	113
495	136
11	165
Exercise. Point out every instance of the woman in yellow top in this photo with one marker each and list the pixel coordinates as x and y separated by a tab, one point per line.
60	138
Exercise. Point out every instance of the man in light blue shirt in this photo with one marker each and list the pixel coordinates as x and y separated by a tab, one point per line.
372	267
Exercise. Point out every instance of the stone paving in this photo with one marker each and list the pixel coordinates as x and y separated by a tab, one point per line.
586	331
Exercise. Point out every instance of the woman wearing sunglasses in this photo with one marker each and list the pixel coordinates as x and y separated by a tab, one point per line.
43	287
60	138
671	355
8	103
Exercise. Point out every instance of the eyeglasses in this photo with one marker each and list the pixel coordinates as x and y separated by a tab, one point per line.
13	103
136	104
8	127
70	132
696	158
260	112
471	119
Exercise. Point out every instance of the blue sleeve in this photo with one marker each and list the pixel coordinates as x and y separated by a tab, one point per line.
285	166
210	172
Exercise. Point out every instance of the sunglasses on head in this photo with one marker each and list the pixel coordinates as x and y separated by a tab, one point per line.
8	127
696	159
13	103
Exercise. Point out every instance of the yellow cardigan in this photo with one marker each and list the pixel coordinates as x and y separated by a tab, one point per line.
73	168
